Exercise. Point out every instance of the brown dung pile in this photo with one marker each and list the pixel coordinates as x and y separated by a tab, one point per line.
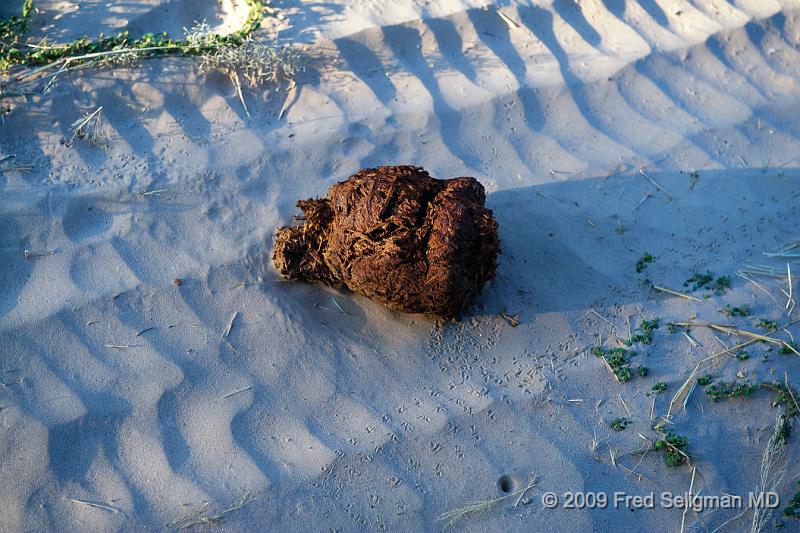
398	236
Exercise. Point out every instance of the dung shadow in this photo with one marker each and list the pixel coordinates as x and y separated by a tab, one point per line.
571	246
14	268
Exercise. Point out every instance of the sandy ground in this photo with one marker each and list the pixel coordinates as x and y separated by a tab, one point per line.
601	130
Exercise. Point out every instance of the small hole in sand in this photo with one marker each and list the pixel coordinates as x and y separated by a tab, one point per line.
505	484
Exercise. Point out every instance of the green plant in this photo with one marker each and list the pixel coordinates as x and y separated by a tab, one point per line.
769	325
646	336
721	284
674	448
619	424
618	361
787	348
122	46
726	391
705	380
641	264
659	387
742	310
785	396
742	355
699	281
12	31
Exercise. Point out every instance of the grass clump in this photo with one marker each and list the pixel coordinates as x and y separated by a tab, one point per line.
742	355
618	361
785	396
674	449
742	310
619	424
646	336
659	387
788	348
705	380
256	62
699	280
769	325
12	31
727	391
148	45
707	281
643	261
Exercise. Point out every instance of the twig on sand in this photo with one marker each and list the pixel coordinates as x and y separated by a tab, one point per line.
29	254
96	505
202	515
690	339
17	168
153	192
451	517
289	99
639	204
508	20
745	274
699	365
121	346
688	383
234	76
237	392
339	307
686	510
513	320
676	293
656	185
625	405
789	249
741	332
598	315
227	331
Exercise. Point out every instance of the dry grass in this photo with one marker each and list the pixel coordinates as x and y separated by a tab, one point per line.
203	514
472	508
771	475
89	127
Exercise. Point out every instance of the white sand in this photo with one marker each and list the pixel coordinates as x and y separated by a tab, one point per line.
370	419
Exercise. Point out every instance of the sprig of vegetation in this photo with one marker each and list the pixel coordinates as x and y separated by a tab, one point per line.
705	380
84	49
674	449
619	424
646	336
742	355
784	395
699	281
788	348
726	391
618	361
659	387
742	310
641	264
769	325
12	31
